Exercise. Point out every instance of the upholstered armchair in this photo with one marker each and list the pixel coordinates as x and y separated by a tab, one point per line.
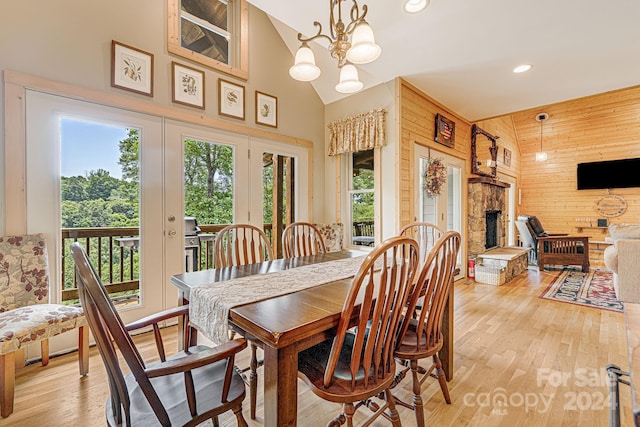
552	249
25	315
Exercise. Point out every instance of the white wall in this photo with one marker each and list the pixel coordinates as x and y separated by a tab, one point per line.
380	96
69	41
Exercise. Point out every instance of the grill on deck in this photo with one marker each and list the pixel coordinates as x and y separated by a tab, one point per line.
192	239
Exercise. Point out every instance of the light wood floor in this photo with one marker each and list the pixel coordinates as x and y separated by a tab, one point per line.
545	359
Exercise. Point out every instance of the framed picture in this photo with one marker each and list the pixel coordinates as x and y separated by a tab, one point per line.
188	85
445	131
230	99
507	157
266	109
131	69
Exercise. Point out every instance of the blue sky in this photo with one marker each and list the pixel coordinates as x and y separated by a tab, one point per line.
88	146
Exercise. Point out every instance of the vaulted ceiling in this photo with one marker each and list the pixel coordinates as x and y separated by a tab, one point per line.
462	52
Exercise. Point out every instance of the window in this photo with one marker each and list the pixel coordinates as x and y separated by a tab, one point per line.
361	198
211	32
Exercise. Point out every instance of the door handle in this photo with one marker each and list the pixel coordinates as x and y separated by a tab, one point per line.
172	233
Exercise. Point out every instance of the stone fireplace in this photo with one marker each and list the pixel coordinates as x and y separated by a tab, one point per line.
487	227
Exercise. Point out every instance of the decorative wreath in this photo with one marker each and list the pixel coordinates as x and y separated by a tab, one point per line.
434	177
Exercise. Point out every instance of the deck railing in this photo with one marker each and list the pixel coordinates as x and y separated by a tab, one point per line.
115	258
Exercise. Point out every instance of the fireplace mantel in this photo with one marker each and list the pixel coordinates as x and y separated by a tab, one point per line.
488	180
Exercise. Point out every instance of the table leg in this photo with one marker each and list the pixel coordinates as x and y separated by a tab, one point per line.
446	353
280	386
194	333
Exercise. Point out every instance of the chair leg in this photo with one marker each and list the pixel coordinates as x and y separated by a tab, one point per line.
418	405
349	410
253	380
44	351
7	383
441	378
83	349
394	417
239	417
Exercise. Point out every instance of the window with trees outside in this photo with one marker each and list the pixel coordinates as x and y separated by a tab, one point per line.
361	198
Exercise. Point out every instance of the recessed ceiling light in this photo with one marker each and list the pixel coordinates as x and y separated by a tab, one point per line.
522	68
415	6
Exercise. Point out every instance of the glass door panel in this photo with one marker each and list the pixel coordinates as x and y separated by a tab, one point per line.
67	188
445	209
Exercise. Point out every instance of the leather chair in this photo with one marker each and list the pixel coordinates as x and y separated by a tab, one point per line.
552	249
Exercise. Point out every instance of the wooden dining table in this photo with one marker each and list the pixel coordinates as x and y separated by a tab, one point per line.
288	324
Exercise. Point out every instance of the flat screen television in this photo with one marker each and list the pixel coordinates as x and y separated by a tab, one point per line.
623	173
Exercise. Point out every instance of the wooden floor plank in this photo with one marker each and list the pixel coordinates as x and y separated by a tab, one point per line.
508	343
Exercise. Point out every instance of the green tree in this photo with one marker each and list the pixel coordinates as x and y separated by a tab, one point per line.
100	184
73	188
129	159
208	181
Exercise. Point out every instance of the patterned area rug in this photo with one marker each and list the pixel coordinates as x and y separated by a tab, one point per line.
592	289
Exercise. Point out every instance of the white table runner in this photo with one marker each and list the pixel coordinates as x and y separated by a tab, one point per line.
209	304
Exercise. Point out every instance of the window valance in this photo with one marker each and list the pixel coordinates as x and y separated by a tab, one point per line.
357	133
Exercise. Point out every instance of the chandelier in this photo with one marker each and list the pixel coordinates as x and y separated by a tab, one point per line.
361	49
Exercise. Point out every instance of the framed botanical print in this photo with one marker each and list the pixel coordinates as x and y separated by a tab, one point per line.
266	109
187	86
230	99
131	69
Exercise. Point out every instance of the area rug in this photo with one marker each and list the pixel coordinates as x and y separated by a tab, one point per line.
592	289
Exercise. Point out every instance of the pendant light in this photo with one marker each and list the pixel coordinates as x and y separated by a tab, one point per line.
541	156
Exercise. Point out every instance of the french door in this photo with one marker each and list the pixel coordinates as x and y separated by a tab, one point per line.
446	209
46	117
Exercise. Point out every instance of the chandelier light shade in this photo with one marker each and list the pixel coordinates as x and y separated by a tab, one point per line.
349	81
304	68
541	156
361	49
363	45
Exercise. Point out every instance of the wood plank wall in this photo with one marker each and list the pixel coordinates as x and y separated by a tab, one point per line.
599	127
417	116
417	122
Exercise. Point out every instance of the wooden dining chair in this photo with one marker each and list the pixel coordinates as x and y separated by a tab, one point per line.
26	317
302	239
241	244
425	233
422	337
358	364
187	388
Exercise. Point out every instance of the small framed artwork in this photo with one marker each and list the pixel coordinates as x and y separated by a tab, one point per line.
230	99
188	85
445	131
131	69
507	157
266	109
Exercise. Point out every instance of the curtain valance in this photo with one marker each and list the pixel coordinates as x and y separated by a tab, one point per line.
356	133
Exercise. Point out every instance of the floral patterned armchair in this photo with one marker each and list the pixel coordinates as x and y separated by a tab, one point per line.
25	315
